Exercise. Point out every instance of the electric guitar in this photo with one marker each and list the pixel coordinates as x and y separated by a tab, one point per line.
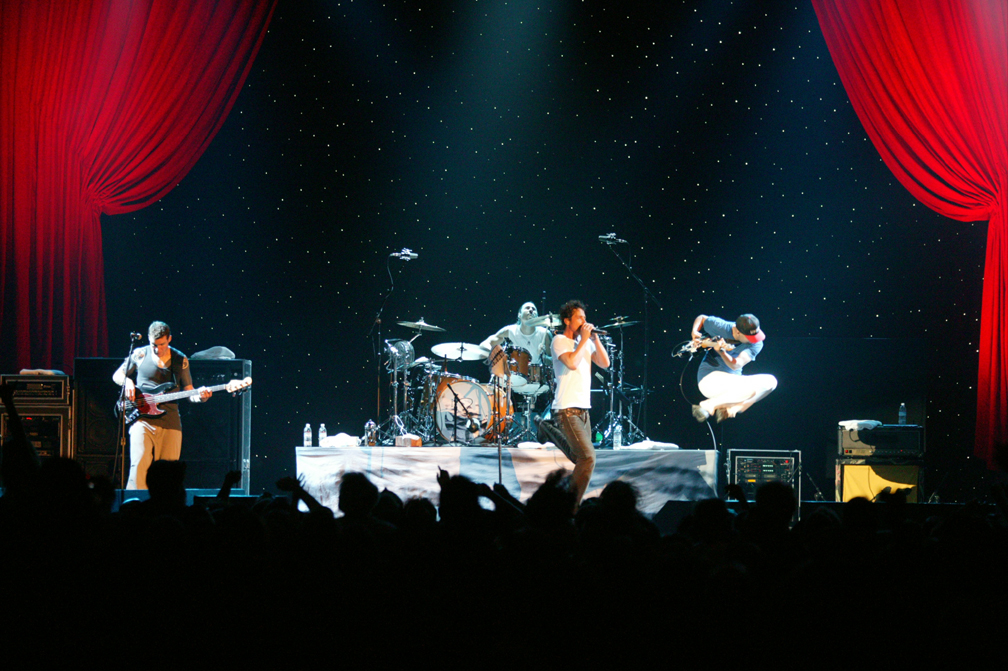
146	404
692	346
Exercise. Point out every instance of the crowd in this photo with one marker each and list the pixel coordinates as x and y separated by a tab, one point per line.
479	578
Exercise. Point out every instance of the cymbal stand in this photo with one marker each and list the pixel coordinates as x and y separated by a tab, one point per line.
498	424
612	242
633	434
393	426
610	419
421	415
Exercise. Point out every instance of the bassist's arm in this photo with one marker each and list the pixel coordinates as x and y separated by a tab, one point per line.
185	383
120	379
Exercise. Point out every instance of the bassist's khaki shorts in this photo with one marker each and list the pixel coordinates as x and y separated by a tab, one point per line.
150	441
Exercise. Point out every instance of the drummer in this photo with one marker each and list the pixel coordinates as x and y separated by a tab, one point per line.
525	334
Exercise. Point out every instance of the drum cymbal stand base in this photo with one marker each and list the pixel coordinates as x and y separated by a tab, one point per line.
528	430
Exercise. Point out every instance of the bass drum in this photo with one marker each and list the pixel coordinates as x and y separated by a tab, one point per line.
468	418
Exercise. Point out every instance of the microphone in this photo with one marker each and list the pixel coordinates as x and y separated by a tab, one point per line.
406	254
136	336
600	332
611	239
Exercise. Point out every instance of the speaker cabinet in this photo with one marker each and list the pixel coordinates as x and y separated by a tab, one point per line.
95	425
856	478
215	434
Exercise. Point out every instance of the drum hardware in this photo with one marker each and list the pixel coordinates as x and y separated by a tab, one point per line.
615	387
400	359
528	430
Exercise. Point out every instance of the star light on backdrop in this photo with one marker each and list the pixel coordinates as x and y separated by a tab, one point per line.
498	140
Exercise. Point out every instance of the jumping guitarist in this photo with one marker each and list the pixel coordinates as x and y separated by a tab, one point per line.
155	437
728	392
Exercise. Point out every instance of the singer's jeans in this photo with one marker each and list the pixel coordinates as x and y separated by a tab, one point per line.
576	426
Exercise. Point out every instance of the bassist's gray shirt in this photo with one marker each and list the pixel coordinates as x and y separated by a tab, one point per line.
146	374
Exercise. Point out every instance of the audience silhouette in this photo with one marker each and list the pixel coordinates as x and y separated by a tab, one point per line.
475	578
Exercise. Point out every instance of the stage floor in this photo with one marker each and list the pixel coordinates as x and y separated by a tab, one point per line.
659	475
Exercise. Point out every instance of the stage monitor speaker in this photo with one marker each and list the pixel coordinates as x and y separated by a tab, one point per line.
869	480
215	435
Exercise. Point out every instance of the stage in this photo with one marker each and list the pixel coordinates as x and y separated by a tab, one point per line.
659	475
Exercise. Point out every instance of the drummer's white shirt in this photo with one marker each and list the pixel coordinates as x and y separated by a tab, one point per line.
534	344
573	385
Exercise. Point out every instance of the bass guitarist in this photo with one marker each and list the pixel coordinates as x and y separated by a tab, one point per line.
160	437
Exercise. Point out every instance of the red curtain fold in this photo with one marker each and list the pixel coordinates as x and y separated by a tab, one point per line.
105	105
929	82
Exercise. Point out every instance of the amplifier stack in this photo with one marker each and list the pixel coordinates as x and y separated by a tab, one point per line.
45	405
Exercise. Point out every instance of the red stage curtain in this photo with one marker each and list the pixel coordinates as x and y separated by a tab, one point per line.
929	81
105	105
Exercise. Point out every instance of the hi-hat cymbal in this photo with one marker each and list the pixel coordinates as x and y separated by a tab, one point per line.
421	326
620	323
460	351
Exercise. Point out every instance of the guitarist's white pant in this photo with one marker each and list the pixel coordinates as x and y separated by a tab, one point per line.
734	393
150	441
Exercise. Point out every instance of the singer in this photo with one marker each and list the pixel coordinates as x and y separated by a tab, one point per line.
720	376
153	438
574	351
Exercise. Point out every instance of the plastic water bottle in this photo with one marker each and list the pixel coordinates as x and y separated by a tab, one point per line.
371	433
617	437
321	434
902	414
307	435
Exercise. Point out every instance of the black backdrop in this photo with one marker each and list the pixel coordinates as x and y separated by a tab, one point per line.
498	141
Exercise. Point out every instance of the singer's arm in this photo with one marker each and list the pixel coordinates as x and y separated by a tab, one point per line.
601	356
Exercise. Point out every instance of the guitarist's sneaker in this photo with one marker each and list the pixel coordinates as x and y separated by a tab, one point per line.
699	414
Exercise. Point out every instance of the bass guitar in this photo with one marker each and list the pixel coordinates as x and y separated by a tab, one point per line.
145	404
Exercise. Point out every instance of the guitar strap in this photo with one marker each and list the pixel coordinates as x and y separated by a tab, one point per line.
177	359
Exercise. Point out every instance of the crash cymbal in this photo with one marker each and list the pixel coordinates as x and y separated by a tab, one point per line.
460	351
620	323
551	320
421	326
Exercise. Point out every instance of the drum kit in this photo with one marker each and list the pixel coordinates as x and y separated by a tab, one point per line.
440	406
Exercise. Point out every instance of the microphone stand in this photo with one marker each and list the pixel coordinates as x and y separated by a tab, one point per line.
120	459
377	322
610	241
455	415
